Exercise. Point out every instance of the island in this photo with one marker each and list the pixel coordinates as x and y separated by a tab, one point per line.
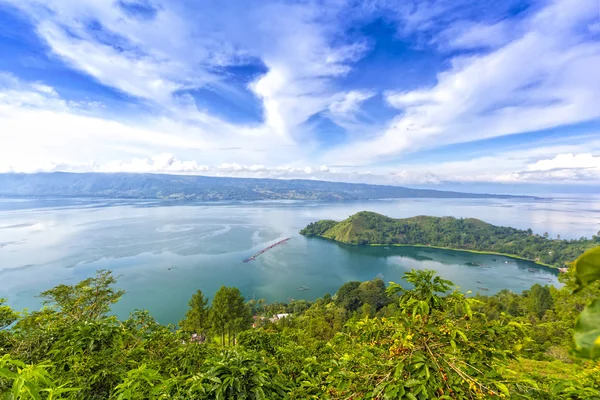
464	234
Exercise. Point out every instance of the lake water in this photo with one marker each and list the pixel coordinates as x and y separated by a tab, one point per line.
47	242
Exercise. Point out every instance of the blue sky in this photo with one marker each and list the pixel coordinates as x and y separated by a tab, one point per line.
429	93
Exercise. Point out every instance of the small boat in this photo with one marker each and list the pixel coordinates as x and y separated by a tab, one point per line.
549	280
479	282
532	270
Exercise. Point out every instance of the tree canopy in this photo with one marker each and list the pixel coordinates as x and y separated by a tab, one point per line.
368	341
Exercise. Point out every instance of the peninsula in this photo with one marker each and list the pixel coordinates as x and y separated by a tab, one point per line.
465	234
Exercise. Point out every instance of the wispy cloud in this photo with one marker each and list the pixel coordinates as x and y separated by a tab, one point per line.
498	73
547	77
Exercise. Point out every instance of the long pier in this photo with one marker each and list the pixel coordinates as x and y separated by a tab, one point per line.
253	257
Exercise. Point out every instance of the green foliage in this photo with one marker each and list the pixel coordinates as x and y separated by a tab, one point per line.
368	228
197	317
88	300
29	381
229	314
540	299
355	295
425	341
587	329
348	296
318	228
425	297
7	315
587	268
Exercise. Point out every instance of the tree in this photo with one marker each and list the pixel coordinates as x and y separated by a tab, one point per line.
197	317
229	314
7	315
373	293
88	300
348	296
539	300
424	297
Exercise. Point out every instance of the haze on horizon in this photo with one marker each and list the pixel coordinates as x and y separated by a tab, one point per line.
431	93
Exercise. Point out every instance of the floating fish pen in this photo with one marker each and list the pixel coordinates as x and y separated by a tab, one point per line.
303	288
253	257
484	288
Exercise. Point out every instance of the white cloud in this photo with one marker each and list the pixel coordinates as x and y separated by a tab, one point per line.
549	76
567	161
155	59
538	72
479	35
39	130
166	163
350	103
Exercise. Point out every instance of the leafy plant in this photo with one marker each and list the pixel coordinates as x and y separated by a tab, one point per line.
587	328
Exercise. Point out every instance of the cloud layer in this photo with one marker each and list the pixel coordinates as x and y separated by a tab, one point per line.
513	96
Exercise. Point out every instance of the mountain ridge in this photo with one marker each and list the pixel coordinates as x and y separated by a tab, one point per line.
206	188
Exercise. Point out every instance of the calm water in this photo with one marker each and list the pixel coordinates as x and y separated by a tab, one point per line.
47	242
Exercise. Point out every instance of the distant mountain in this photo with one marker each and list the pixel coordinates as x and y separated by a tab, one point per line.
162	186
369	228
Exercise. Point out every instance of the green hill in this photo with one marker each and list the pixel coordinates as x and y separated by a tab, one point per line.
368	228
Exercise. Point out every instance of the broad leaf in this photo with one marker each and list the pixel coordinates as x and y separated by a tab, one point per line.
587	331
587	268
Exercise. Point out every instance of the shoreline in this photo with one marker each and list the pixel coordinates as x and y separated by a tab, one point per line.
447	248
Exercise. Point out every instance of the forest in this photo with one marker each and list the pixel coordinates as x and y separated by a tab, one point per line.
369	340
369	228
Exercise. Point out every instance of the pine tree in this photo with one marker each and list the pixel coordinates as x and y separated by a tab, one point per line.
197	317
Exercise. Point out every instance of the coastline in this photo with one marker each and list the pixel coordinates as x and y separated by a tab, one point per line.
446	248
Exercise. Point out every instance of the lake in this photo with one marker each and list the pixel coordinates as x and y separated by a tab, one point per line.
165	251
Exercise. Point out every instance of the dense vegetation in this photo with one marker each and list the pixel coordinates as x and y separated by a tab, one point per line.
204	188
368	228
368	341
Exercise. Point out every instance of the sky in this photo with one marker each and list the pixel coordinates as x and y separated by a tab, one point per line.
431	93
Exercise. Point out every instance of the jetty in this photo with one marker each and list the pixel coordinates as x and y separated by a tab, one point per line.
253	257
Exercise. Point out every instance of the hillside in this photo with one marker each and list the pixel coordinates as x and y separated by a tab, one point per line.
368	228
203	188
